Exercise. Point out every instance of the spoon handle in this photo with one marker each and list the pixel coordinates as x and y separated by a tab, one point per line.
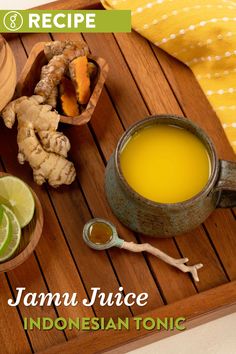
178	263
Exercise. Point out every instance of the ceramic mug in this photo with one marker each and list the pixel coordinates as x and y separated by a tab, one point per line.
166	220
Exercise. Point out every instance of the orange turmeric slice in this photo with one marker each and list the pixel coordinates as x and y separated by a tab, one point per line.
68	98
80	77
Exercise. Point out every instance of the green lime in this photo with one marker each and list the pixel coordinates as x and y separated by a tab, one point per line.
19	198
12	246
5	229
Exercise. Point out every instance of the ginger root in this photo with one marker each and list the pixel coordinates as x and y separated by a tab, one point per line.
68	98
38	141
60	55
80	76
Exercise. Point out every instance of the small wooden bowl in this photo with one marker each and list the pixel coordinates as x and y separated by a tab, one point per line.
7	73
30	76
29	238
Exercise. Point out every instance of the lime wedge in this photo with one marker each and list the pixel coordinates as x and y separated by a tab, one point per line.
1	214
5	229
12	246
19	198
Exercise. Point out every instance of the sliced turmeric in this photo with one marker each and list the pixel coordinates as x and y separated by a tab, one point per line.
60	54
68	98
80	77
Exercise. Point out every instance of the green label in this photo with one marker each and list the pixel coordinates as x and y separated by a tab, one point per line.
38	21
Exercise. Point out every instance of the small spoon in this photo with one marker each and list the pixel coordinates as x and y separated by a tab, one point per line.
113	240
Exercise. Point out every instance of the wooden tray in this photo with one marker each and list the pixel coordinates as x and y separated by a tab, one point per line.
30	75
142	80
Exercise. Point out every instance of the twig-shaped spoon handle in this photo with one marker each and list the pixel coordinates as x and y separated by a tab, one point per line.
115	241
178	263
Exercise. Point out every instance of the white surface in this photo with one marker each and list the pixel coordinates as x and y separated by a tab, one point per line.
216	337
21	4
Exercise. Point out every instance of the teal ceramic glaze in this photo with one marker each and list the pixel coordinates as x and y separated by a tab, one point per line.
167	220
115	241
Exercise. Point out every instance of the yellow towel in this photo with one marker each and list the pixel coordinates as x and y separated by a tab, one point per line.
200	33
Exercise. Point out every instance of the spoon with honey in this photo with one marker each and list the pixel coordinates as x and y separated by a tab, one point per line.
101	234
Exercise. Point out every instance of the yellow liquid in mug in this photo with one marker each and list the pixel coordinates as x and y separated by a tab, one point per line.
165	163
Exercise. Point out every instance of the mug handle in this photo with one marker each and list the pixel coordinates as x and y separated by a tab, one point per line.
227	185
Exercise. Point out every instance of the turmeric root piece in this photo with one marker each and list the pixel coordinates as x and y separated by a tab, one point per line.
68	98
57	47
80	77
58	64
46	152
53	73
52	98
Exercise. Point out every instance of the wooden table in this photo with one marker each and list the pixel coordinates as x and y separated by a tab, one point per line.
143	80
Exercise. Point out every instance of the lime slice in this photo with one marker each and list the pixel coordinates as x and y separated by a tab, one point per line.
19	198
5	229
12	246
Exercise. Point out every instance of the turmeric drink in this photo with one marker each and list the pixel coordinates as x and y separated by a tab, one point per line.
165	163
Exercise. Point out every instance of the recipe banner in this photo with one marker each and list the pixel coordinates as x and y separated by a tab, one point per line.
33	21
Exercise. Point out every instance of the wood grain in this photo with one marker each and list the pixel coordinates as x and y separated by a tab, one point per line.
59	269
110	129
134	47
164	101
149	77
7	73
60	272
39	340
131	268
19	53
195	310
142	80
91	176
29	274
95	267
210	263
94	274
2	42
10	324
126	98
221	226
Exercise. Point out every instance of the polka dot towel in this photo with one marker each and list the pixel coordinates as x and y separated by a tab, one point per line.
200	33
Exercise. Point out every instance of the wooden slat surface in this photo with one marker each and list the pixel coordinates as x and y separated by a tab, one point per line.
220	301
10	324
134	48
60	272
91	180
142	80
